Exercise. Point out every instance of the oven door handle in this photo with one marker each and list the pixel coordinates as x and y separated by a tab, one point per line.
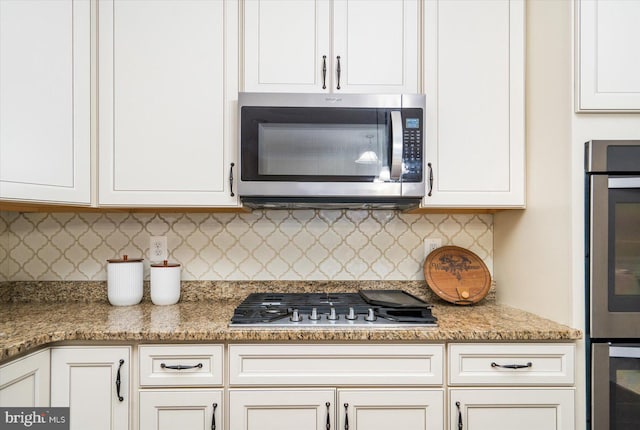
624	182
396	144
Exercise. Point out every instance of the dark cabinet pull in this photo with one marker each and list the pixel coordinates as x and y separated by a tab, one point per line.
430	179
180	366
118	381
459	416
231	179
512	366
324	72
213	417
338	70
328	426
346	411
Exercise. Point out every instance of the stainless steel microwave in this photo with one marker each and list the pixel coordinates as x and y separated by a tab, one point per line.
321	150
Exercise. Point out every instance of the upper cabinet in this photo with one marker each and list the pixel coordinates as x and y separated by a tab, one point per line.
351	46
45	101
609	64
474	85
167	102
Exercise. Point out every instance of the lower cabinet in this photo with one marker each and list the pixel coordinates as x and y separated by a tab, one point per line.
181	409
506	409
94	382
282	409
336	386
391	409
528	386
25	382
371	409
492	386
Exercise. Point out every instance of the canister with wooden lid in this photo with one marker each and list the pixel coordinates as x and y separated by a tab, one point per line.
165	283
124	281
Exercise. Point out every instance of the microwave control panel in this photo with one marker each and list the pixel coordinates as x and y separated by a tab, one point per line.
412	147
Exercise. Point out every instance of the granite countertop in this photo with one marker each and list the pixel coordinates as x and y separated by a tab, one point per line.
203	314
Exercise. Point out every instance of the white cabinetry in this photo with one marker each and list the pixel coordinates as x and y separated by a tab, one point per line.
94	383
281	409
181	409
45	101
474	84
167	102
525	385
609	66
390	409
303	46
25	382
505	409
404	386
175	368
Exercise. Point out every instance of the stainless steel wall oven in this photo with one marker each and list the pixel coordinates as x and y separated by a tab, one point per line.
613	282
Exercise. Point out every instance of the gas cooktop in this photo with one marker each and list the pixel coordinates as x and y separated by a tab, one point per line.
367	308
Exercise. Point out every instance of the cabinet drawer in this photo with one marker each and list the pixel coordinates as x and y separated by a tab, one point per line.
335	364
181	365
511	364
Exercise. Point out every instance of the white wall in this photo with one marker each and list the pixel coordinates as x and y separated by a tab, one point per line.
533	248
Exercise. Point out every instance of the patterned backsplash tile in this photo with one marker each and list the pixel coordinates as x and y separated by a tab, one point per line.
262	245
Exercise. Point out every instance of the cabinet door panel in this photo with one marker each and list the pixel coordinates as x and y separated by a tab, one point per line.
474	70
526	409
386	409
165	112
281	409
25	382
609	71
45	101
84	379
284	43
188	409
378	46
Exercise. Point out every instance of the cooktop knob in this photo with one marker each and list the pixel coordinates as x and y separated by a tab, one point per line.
332	314
352	315
314	315
295	316
371	315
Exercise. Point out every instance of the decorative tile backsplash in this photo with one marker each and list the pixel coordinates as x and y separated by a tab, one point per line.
262	245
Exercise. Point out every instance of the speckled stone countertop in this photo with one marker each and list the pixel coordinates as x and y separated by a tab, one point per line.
36	314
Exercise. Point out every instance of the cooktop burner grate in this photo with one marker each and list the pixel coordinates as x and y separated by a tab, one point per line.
329	310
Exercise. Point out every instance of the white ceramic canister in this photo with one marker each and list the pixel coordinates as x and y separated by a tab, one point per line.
124	281
165	283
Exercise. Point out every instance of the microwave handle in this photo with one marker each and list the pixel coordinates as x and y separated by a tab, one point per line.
396	144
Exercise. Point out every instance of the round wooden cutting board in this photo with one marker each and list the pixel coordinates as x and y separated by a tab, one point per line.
457	275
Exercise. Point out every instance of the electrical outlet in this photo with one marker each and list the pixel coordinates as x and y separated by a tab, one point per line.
430	244
158	248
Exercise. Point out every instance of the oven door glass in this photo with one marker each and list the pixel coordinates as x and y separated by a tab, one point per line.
314	144
624	247
624	388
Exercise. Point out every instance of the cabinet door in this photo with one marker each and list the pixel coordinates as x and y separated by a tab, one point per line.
377	43
167	92
281	409
388	409
286	45
474	75
525	409
85	379
45	96
181	409
609	66
25	382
